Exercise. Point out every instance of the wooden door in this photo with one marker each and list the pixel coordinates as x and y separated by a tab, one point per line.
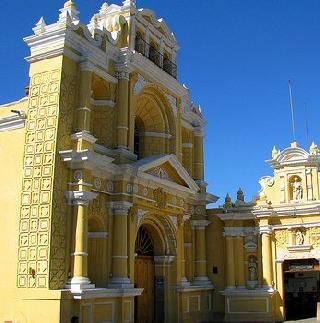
144	278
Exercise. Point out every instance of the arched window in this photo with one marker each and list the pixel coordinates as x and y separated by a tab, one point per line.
140	44
138	140
154	55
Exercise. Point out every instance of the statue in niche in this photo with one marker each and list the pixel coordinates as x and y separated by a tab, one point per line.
299	238
297	189
252	268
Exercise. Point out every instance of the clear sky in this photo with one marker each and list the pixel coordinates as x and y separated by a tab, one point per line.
236	57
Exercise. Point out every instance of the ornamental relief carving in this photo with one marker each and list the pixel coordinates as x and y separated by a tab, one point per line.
281	238
160	197
314	234
60	211
160	173
36	222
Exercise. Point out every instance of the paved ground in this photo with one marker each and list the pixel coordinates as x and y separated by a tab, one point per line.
312	320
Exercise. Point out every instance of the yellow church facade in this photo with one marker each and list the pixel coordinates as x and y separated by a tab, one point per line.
105	202
104	207
271	245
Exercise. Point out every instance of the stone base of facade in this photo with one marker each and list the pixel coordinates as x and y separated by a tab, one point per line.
195	303
249	305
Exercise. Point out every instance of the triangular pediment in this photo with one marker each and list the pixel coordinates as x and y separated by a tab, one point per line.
167	169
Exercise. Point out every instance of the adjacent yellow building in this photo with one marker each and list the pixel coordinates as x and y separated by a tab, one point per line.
271	245
103	200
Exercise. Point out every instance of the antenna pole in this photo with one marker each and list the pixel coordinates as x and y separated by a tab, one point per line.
307	124
292	112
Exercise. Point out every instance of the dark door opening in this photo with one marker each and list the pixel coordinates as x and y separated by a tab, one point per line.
302	288
149	307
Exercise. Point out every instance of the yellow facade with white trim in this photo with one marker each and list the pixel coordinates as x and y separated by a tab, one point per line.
105	150
104	202
271	245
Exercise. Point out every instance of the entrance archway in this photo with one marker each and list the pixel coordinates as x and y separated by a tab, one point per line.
302	288
149	307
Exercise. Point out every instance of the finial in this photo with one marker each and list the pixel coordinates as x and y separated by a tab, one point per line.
40	27
104	7
69	3
69	13
240	195
274	152
129	3
313	149
227	201
294	144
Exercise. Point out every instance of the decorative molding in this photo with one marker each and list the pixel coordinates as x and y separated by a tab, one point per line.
13	122
187	145
173	103
103	103
84	135
80	197
98	235
120	207
140	84
87	159
199	224
156	134
240	231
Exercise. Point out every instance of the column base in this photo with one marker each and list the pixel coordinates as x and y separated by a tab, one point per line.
201	281
184	282
79	284
120	282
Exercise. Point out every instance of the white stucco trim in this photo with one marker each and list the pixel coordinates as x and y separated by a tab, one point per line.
13	122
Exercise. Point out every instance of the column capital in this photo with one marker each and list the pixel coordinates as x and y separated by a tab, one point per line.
200	224
267	229
79	197
120	207
198	132
123	75
87	65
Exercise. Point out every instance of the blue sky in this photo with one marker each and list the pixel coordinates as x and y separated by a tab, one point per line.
236	57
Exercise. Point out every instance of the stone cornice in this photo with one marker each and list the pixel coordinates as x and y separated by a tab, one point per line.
87	159
200	224
79	197
85	136
240	231
13	122
120	207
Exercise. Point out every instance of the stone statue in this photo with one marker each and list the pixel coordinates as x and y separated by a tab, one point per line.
297	189
299	238
252	267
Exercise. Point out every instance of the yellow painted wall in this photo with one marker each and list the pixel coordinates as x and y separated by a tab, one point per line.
216	258
11	151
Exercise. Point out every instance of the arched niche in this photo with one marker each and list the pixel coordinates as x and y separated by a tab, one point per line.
295	188
155	122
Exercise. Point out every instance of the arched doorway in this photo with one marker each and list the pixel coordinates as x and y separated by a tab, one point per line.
144	276
150	305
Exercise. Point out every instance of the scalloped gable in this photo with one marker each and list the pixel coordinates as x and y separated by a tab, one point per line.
294	156
160	24
167	168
